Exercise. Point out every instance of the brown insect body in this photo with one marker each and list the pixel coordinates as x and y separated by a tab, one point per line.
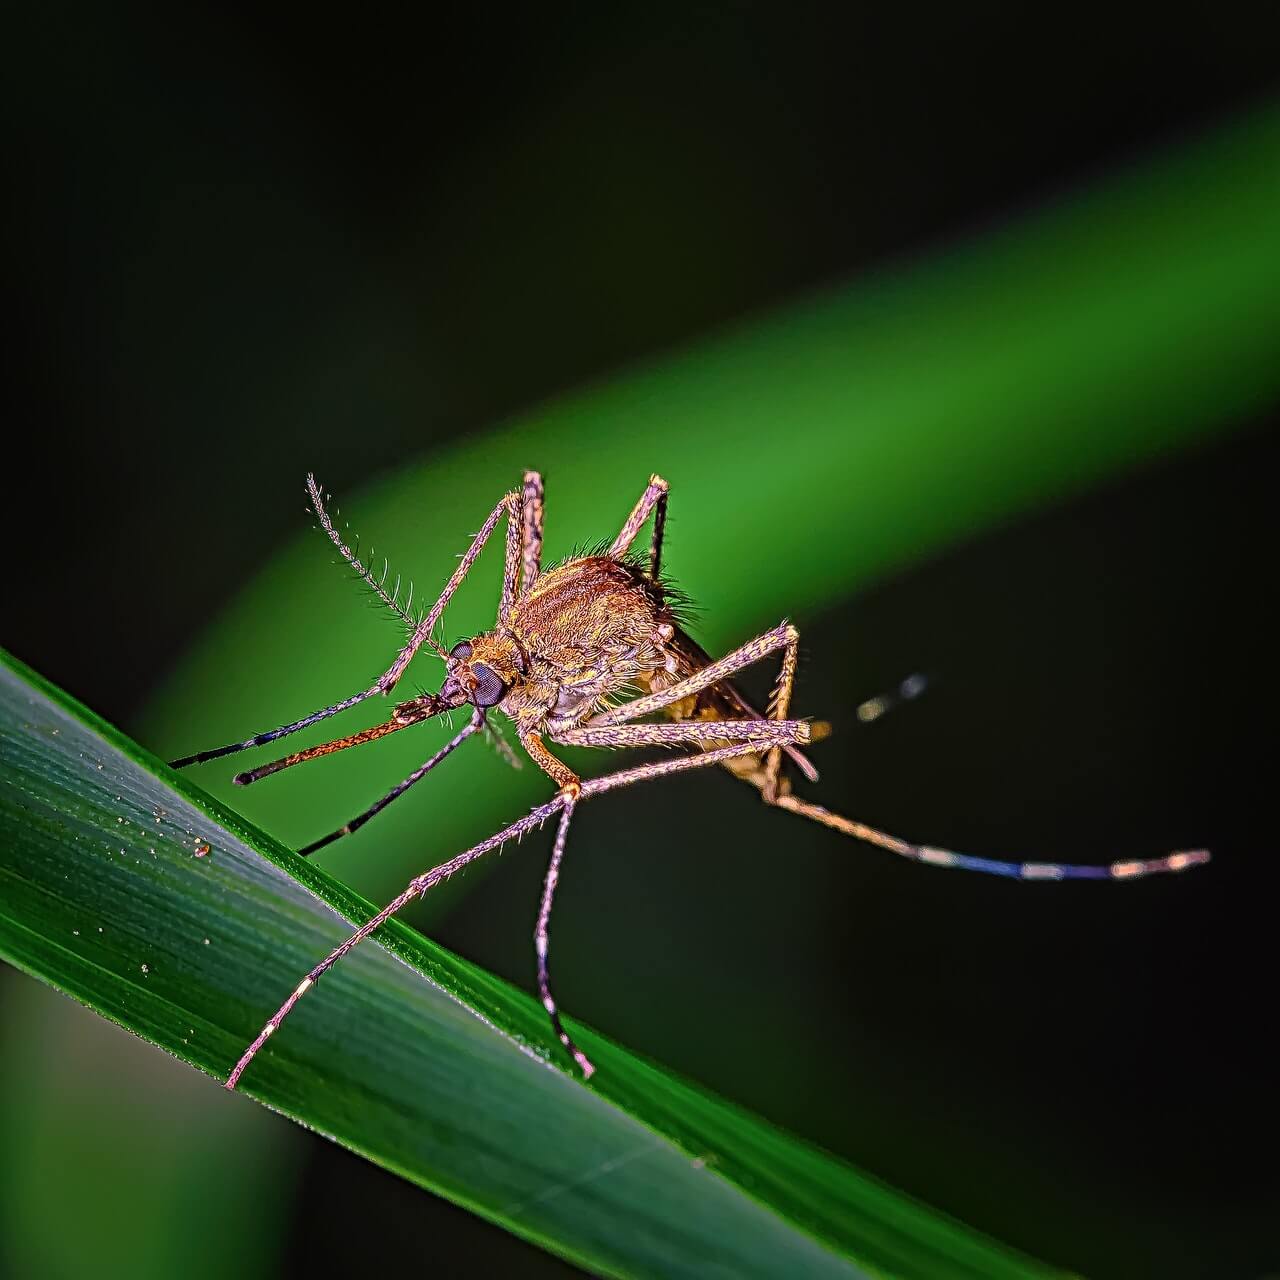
569	646
586	631
584	635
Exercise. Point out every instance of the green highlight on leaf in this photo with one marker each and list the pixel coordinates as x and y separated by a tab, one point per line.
404	1053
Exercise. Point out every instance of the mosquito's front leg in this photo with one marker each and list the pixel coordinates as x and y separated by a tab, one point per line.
510	505
569	783
260	739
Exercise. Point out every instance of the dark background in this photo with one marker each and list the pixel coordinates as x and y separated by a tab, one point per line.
241	248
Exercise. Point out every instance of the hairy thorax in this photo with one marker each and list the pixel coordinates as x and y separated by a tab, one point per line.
590	630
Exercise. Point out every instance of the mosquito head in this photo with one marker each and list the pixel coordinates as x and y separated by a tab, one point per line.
482	670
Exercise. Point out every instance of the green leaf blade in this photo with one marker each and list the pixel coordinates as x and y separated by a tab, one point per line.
404	1053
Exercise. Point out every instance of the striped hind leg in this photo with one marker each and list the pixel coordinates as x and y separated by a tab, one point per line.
775	789
1127	869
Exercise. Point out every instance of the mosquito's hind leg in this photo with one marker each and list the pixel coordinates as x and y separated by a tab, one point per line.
775	790
783	636
763	733
765	775
654	499
1126	869
779	705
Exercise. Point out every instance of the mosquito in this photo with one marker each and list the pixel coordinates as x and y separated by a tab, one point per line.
583	654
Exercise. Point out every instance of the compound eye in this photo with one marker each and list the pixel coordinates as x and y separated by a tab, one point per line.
489	690
461	650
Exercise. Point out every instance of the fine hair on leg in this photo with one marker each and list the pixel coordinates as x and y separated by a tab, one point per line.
363	568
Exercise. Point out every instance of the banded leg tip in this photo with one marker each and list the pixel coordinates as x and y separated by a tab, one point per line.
308	849
244	779
586	1065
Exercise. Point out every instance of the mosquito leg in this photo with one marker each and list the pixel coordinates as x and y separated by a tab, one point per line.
510	505
261	739
780	637
659	529
1128	869
429	879
655	496
531	554
476	722
415	888
394	725
555	768
779	705
762	733
540	943
514	558
421	635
